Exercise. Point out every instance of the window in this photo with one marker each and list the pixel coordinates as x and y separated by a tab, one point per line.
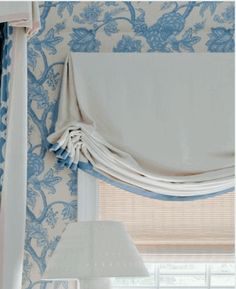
162	227
180	276
186	245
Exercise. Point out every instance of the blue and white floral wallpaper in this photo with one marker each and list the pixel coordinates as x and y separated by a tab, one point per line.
156	27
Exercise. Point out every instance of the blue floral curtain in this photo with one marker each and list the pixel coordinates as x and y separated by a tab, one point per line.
19	21
5	61
1	47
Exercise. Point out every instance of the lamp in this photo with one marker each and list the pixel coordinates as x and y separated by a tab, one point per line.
92	252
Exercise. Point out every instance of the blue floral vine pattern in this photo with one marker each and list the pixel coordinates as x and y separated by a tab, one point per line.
2	25
168	26
6	38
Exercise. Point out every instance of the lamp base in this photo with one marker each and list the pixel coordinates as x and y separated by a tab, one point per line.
95	283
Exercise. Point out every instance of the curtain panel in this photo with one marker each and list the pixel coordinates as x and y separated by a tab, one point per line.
1	47
157	125
6	54
20	22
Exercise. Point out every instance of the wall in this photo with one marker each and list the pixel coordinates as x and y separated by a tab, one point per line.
95	27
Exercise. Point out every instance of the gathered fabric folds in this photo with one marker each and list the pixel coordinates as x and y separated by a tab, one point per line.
156	123
21	14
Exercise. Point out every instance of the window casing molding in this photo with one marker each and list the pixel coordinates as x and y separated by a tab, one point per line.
87	198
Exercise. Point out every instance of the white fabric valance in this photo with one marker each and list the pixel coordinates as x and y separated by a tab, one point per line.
21	14
162	123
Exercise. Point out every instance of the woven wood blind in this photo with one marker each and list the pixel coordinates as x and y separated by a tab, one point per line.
203	227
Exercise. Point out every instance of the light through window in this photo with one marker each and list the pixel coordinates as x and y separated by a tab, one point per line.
182	275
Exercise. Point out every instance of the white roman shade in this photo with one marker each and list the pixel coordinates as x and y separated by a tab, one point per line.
199	231
161	125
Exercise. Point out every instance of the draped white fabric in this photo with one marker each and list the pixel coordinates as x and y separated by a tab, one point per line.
13	201
159	122
21	14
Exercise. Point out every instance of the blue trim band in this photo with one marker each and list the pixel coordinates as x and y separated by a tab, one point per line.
88	168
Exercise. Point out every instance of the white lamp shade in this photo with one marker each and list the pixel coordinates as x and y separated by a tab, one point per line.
95	249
